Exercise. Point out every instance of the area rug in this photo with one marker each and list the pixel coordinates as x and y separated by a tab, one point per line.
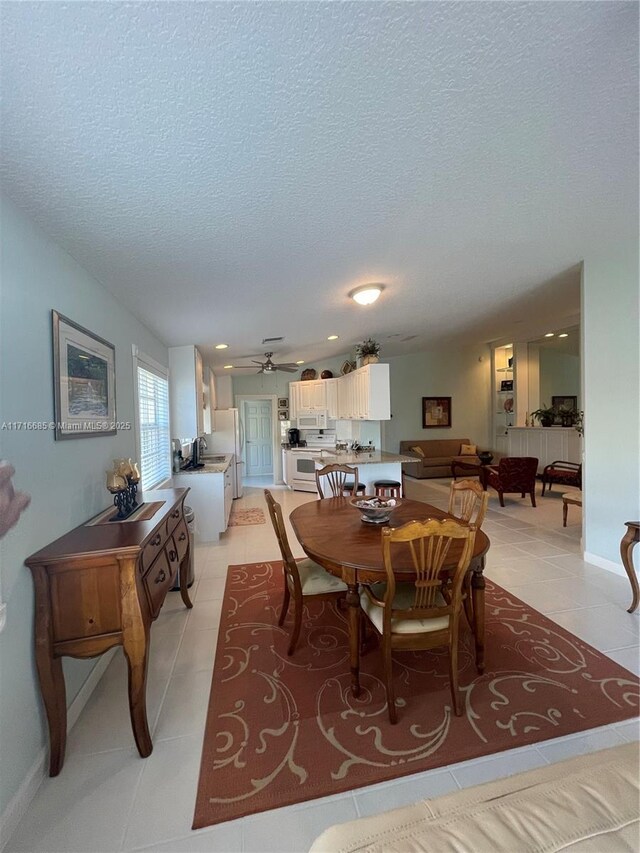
239	517
282	730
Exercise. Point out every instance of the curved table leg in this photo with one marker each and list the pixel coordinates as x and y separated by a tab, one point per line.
629	540
477	586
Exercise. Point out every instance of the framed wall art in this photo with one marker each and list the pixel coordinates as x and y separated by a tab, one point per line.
84	375
436	412
283	414
283	402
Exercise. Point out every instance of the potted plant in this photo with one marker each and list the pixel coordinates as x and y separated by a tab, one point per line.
545	415
367	352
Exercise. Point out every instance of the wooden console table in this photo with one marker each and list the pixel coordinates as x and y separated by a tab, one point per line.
102	585
629	541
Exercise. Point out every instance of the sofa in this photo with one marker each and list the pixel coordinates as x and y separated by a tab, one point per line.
438	454
587	804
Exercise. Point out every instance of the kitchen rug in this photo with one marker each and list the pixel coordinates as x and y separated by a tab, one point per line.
282	730
240	517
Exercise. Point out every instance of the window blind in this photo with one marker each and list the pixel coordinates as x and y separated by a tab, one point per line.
153	406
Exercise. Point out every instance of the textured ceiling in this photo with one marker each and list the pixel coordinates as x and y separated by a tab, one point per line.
230	171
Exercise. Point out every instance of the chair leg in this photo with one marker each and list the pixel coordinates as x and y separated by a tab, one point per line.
533	496
296	627
523	494
501	496
285	604
468	603
453	678
388	677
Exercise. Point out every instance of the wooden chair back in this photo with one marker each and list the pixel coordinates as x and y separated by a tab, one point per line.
429	544
468	502
336	476
288	561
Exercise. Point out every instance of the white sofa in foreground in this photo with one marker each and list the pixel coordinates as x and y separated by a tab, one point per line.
590	804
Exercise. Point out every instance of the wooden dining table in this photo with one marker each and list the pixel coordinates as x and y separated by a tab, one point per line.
332	533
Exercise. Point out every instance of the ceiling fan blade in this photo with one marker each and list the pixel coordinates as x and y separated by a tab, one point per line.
243	367
287	364
285	369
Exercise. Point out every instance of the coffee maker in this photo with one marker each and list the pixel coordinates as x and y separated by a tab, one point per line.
293	436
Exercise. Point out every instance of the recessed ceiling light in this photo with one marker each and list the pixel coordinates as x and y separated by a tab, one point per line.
222	346
332	338
228	366
549	335
299	362
367	293
508	346
563	335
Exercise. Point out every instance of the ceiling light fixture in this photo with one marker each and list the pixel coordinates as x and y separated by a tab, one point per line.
332	338
366	294
222	346
228	366
563	335
299	362
549	335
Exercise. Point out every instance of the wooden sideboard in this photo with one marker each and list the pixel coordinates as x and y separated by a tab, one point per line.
102	585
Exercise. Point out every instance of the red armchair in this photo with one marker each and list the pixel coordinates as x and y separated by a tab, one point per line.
514	474
565	473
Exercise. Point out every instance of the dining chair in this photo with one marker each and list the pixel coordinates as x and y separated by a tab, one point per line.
423	613
468	501
338	479
302	578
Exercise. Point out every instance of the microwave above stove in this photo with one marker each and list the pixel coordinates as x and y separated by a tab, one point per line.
318	420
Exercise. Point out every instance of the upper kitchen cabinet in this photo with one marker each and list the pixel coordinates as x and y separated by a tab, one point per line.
187	397
362	395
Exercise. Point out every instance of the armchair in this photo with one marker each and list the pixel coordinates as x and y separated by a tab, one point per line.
514	474
565	473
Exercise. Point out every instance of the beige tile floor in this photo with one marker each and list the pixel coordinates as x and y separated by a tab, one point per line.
108	799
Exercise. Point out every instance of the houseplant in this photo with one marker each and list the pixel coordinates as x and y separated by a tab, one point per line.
367	352
545	415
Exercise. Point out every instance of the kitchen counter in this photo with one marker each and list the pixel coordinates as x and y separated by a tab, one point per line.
211	467
362	457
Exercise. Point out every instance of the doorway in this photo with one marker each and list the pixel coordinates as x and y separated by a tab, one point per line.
257	416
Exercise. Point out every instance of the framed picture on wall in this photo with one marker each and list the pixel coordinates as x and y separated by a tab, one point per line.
283	415
84	378
564	404
283	402
436	412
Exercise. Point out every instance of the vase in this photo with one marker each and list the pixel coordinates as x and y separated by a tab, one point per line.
370	359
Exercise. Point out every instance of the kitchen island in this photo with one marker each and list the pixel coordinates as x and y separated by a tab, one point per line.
372	465
211	494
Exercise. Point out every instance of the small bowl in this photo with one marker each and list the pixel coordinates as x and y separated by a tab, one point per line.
374	514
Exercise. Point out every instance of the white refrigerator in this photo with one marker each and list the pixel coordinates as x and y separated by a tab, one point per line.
228	438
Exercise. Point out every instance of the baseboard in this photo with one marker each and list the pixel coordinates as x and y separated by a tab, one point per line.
21	800
602	563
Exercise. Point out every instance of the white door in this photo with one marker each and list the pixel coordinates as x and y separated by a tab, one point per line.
258	437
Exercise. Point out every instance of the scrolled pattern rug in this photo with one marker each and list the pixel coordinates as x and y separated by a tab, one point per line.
282	730
239	517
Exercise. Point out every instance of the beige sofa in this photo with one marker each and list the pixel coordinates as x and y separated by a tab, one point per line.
588	804
438	456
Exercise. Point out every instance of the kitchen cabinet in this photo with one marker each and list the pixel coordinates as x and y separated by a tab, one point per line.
210	497
187	398
361	395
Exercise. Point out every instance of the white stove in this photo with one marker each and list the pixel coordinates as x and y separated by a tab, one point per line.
301	468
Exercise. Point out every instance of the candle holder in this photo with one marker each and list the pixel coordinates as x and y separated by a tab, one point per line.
122	482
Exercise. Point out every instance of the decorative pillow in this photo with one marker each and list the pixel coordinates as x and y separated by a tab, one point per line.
468	449
418	450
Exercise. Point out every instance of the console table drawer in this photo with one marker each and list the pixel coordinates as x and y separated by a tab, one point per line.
157	582
173	520
152	549
181	538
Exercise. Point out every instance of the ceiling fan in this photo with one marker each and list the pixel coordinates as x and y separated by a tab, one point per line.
268	366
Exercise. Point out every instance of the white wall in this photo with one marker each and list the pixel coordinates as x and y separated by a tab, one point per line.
611	348
65	478
455	373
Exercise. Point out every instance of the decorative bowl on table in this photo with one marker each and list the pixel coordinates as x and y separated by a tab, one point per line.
375	510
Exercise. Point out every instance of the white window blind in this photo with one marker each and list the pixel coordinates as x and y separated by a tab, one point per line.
153	407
